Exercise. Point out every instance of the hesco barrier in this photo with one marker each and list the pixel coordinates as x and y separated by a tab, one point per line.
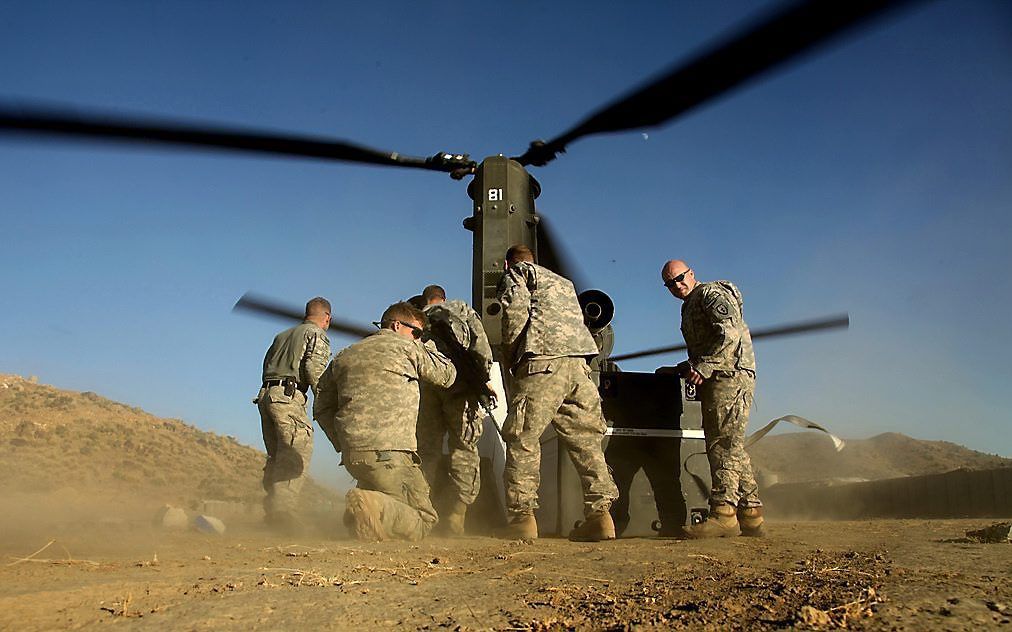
956	494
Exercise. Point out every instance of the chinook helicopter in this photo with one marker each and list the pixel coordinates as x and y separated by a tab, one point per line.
503	192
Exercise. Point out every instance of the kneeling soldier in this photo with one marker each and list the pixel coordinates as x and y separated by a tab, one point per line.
368	406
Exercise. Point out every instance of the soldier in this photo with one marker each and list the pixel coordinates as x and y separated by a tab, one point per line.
368	406
548	347
722	363
292	366
456	330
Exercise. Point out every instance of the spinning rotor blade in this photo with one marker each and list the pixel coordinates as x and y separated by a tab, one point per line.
44	121
553	255
744	56
260	305
833	322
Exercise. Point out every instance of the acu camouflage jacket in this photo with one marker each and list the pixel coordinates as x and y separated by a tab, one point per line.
541	315
715	330
368	396
466	326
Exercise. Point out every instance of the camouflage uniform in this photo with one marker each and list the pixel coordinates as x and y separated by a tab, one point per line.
368	406
720	349
604	340
548	345
454	410
298	355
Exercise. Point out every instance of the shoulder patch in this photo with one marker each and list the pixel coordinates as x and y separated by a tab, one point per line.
732	290
718	303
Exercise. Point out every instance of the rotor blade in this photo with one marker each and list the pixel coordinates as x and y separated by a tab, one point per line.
730	63
252	303
39	120
553	255
832	322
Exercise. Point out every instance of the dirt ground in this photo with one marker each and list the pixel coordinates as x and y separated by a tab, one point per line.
876	575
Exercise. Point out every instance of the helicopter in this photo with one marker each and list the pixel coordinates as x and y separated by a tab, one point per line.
502	191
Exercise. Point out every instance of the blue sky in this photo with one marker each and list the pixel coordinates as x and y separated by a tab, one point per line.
872	178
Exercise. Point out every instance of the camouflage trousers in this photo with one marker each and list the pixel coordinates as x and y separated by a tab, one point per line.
444	412
726	399
407	512
288	438
555	391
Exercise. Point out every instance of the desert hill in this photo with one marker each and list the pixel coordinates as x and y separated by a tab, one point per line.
81	444
54	441
809	456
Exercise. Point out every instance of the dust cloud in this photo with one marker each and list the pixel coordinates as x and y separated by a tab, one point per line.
84	479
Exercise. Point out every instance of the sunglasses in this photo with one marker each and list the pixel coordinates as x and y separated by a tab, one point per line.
670	283
416	331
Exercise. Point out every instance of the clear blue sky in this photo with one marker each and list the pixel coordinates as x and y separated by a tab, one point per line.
872	178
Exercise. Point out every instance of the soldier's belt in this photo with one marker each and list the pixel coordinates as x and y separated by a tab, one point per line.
377	456
285	382
368	456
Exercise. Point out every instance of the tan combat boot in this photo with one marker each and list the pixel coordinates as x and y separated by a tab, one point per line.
751	521
453	521
367	512
721	523
597	526
520	527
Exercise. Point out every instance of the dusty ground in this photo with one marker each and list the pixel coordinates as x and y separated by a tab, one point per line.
863	575
82	477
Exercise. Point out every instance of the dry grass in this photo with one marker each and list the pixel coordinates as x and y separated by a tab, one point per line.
52	440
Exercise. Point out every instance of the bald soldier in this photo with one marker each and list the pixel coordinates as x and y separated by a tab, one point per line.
368	406
455	412
722	364
292	366
548	347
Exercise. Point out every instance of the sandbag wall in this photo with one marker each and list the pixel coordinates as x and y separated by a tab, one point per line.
956	494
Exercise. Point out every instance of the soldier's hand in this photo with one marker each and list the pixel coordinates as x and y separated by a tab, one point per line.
688	373
490	392
692	376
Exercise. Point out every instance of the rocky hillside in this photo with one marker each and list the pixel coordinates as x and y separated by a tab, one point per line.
57	441
809	456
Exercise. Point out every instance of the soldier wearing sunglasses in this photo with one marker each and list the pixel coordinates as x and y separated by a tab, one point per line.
368	407
721	362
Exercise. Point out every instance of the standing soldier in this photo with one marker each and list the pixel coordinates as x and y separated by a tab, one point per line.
368	406
548	346
456	330
292	366
722	363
